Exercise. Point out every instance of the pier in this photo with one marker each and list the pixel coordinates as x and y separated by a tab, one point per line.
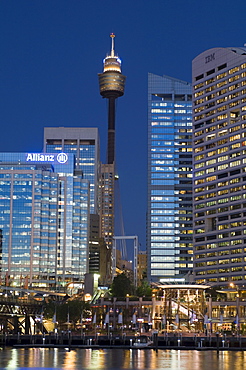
170	341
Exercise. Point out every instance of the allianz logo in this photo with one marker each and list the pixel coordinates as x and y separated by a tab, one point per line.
39	157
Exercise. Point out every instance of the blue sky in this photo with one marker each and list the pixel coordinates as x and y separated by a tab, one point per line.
51	52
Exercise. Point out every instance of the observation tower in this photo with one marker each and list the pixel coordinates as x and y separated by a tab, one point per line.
112	85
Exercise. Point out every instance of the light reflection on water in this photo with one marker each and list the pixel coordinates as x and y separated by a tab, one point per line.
117	359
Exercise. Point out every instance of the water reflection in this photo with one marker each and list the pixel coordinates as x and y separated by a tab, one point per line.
116	359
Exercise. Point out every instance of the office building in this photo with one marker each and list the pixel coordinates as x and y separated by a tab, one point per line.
44	220
83	143
219	155
169	214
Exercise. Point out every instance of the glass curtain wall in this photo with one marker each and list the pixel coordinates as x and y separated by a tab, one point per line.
169	215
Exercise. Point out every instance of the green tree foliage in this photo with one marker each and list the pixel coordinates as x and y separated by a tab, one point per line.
144	290
121	286
74	308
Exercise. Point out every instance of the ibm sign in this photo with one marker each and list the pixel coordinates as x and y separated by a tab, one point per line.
61	158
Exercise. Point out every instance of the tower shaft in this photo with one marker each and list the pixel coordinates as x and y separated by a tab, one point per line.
111	131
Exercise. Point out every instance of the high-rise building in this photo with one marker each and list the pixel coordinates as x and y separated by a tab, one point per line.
83	142
44	220
112	85
219	155
169	214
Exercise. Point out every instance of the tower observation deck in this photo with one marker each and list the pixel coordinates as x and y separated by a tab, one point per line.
112	85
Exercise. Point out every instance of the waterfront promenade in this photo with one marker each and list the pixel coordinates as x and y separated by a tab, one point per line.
162	341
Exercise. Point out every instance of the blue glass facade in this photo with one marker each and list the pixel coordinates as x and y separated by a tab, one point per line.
83	143
169	215
42	243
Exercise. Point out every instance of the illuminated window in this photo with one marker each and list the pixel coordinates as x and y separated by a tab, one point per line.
221	116
235	128
234	87
222	100
222	142
199	173
211	170
222	133
233	70
234	78
222	166
199	133
222	83
200	181
237	188
224	200
211	161
198	157
221	75
210	81
199	86
224	183
235	163
212	203
234	181
211	178
197	94
223	150
200	149
223	192
222	124
223	158
234	104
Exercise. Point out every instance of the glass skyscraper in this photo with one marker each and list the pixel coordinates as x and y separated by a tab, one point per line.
169	214
44	220
83	143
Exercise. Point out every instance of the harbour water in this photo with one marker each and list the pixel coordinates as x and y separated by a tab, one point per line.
117	359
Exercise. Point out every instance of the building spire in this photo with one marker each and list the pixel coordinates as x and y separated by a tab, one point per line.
112	35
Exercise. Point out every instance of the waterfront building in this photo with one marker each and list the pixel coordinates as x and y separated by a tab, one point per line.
219	156
44	220
169	214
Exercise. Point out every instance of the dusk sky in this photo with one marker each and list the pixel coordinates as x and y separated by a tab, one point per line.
52	50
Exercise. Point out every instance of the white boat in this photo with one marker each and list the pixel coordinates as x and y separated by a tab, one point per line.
142	341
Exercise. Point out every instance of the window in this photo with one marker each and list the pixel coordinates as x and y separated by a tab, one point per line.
235	137
233	70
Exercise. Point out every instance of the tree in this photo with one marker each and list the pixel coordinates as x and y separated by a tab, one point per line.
75	308
144	290
121	286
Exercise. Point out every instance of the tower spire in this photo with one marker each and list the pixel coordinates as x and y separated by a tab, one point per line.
112	35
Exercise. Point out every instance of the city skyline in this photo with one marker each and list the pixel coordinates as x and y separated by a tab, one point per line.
51	55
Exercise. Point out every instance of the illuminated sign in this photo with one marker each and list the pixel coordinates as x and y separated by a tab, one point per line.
44	157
